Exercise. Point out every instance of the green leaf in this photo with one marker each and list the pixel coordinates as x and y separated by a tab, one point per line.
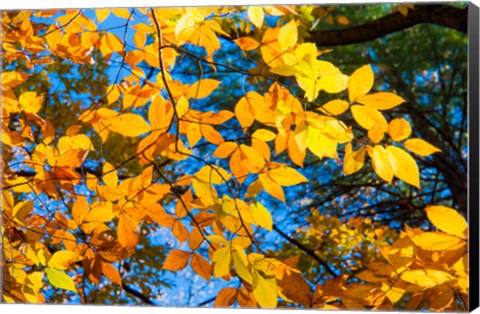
60	279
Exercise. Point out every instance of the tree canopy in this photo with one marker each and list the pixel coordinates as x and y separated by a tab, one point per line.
253	156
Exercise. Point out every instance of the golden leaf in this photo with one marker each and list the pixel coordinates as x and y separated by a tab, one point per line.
399	129
447	220
403	165
420	147
380	100
360	82
255	14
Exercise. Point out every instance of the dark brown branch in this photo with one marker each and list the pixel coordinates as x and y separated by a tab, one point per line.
138	294
309	252
442	15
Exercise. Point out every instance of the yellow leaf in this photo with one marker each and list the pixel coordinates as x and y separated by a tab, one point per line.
176	260
333	82
360	82
376	133
420	147
438	241
399	129
182	106
284	70
202	88
193	134
102	14
201	266
62	259
403	165
264	135
100	212
334	107
113	93
213	174
13	79
261	216
244	112
426	278
381	163
368	117
30	102
264	291
447	220
247	43
110	176
288	35
113	42
122	13
286	176
255	14
240	264
217	239
129	124
401	254
60	279
380	100
222	258
353	160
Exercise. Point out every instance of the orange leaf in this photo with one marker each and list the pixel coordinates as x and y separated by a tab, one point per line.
225	297
127	231
247	43
201	266
179	231
111	273
176	260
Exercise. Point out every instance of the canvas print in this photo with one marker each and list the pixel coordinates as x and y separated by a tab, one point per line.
301	156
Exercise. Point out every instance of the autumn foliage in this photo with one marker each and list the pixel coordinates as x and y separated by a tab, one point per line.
147	152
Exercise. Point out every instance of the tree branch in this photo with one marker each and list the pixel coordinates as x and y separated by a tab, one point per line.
138	294
309	252
442	15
